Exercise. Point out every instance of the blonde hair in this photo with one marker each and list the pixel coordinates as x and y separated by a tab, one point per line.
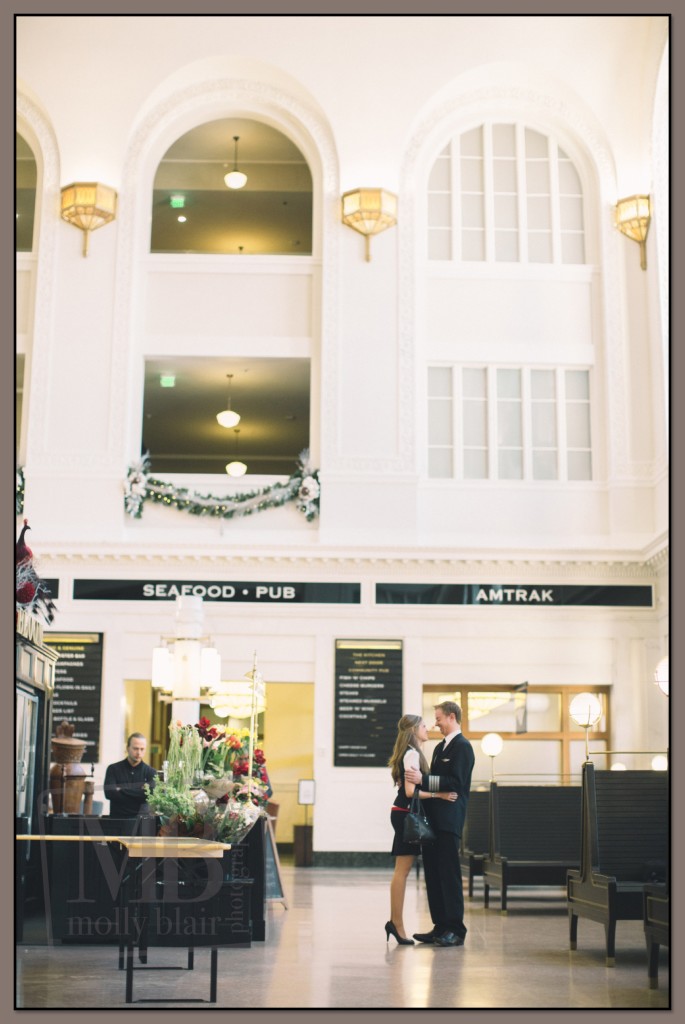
406	738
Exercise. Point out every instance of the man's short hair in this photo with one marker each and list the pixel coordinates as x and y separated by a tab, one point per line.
449	707
135	736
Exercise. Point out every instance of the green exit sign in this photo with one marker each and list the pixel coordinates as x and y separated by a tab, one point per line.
177	202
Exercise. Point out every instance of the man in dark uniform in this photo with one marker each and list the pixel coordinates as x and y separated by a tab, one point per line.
451	768
124	780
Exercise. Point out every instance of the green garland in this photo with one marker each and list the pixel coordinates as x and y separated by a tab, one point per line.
19	491
302	487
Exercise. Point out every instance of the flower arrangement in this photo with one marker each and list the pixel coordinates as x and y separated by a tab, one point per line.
205	792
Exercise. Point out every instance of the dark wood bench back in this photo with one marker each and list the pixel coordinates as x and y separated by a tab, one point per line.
627	820
476	826
536	823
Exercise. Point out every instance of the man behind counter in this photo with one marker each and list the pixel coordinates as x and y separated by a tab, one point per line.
125	779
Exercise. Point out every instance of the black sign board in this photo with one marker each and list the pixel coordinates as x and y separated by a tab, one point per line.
368	701
78	686
217	590
522	595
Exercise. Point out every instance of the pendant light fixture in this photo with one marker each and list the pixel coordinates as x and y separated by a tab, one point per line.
235	178
228	418
236	468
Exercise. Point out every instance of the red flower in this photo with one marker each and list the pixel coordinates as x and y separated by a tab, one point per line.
240	768
259	756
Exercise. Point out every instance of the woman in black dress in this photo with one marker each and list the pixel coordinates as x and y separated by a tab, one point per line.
412	733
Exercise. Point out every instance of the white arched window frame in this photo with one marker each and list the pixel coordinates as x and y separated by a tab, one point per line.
504	191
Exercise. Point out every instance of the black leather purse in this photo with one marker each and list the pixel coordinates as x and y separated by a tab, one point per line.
417	828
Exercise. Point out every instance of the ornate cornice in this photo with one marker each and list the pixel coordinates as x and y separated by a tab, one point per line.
424	567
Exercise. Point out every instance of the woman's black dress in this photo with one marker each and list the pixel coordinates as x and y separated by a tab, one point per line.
398	814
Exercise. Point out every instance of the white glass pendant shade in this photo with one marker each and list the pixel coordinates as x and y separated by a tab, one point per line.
236	469
660	763
492	744
210	666
187	670
618	766
661	674
585	709
228	418
162	668
235	179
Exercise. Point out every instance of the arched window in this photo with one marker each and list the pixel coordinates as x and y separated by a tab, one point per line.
505	193
194	211
25	196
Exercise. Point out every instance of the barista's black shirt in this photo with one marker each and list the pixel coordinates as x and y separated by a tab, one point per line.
124	788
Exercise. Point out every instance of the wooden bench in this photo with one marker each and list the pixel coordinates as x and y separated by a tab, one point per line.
624	845
474	838
534	836
656	904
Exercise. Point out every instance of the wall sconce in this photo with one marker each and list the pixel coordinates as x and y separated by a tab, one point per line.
632	216
88	206
586	710
492	744
369	211
661	673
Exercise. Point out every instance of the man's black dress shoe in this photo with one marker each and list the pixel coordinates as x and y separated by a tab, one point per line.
428	937
448	939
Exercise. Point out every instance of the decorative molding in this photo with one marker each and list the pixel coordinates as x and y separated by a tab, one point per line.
45	239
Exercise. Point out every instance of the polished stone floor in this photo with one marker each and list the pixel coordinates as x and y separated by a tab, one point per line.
328	950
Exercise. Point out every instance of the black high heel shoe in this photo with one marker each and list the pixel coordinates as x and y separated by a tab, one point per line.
391	930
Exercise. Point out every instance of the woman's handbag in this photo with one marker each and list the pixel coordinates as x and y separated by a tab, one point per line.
417	828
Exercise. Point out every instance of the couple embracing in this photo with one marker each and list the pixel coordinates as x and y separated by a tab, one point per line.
445	787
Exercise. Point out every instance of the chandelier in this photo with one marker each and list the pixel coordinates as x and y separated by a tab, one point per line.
185	663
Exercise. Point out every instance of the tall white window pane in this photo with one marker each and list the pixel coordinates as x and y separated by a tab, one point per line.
508	383
544	424
577	384
569	182
472	211
539	248
545	465
472	175
504	175
539	214
536	144
506	212
440	462
439	180
475	424
503	139
475	464
579	466
439	210
509	424
439	245
510	465
571	214
471	143
506	246
578	424
537	176
572	249
473	246
474	382
440	381
542	383
440	421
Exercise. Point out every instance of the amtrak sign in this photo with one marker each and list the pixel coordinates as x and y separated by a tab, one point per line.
536	595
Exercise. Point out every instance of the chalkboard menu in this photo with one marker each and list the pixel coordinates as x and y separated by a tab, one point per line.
78	686
368	701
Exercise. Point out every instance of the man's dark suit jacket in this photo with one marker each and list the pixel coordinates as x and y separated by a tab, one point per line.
450	770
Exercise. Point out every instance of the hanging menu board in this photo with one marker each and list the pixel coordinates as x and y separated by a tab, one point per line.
368	701
78	686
